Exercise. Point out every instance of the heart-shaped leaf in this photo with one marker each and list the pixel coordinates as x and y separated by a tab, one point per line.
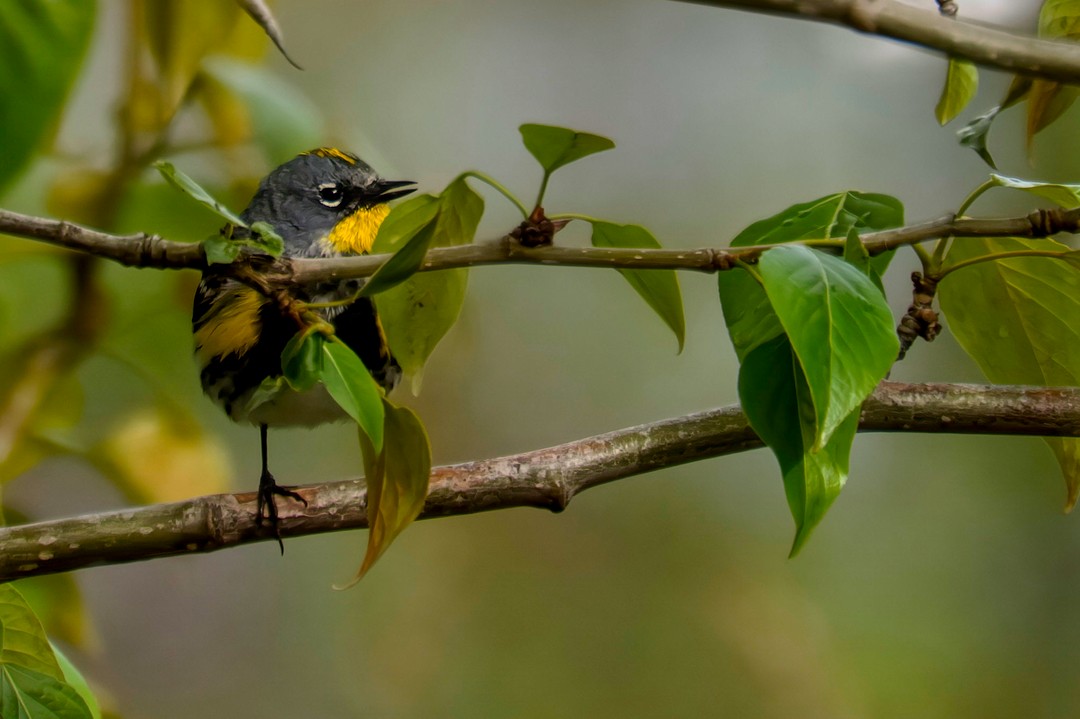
555	147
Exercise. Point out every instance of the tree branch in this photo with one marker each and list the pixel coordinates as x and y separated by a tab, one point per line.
980	44
142	250
546	478
138	250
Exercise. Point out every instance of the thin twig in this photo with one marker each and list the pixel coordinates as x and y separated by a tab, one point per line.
546	478
142	250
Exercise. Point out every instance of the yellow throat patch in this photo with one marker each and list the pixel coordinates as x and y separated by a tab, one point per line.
355	234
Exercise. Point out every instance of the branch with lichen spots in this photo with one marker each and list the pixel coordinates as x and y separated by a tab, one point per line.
928	28
546	478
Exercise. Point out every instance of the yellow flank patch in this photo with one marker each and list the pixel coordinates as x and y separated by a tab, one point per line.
332	152
232	326
356	233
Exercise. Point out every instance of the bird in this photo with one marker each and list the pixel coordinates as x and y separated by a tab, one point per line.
323	203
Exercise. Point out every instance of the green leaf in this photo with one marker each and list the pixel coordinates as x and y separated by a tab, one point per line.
42	45
554	147
855	254
266	239
403	264
22	639
220	250
839	326
1067	196
1047	101
397	481
282	118
659	288
749	316
224	248
1059	19
409	236
78	682
57	602
404	222
775	396
268	390
189	187
417	313
460	210
974	135
352	387
1019	319
37	696
302	360
829	217
751	321
32	684
814	336
961	84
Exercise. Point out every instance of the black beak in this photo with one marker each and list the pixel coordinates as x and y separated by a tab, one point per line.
383	189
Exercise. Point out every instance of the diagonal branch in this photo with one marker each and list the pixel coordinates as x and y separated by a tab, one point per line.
546	478
927	27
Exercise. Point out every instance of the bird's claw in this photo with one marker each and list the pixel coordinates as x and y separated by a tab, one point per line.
266	506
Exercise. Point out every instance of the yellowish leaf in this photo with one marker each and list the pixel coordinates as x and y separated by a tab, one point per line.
397	481
154	457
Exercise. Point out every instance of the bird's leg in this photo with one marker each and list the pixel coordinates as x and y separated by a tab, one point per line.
265	505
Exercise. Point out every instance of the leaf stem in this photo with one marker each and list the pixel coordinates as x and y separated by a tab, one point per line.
942	245
924	258
975	194
497	186
543	188
575	216
344	302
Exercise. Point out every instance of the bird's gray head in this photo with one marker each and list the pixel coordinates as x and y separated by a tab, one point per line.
324	201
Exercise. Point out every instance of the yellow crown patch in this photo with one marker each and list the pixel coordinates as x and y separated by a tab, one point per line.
327	152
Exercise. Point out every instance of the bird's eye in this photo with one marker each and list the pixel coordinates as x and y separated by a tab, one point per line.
330	194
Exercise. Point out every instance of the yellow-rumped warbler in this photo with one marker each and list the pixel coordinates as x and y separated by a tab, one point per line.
323	203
